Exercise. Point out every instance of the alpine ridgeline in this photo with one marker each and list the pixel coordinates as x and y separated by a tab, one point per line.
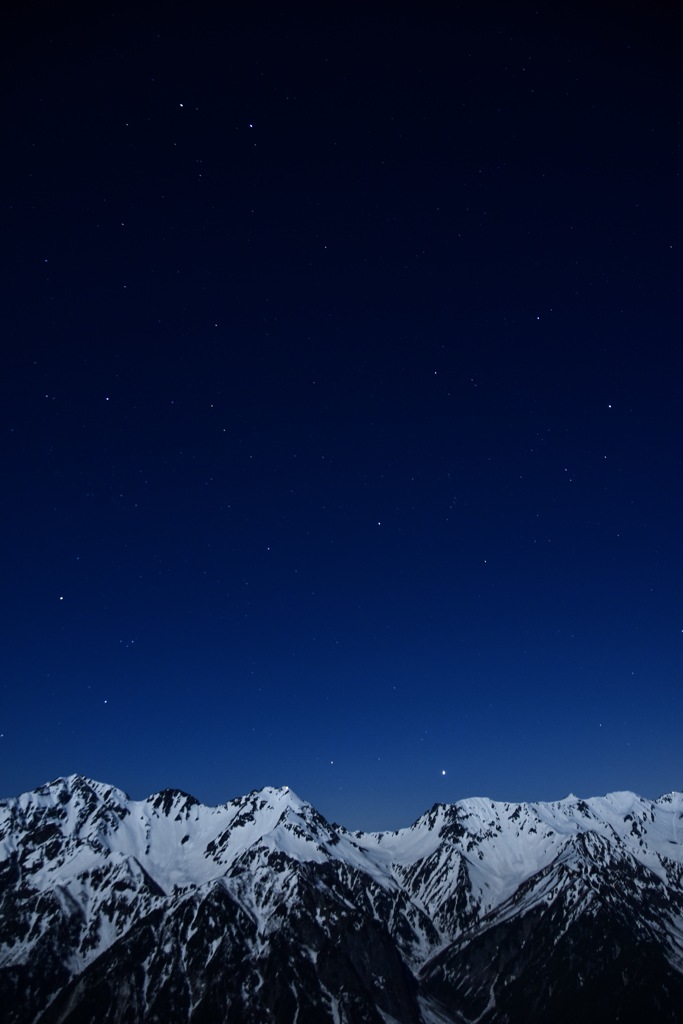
261	912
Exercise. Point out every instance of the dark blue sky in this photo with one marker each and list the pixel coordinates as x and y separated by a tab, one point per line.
341	404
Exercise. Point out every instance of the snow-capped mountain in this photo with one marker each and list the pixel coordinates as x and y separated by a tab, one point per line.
258	911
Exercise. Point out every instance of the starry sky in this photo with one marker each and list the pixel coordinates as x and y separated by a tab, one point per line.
342	420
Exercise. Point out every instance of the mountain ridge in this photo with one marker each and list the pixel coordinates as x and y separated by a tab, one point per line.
97	889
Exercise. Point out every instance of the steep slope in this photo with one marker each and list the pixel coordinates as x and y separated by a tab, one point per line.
594	936
259	910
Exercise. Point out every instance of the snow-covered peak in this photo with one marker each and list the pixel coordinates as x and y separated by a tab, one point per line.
72	788
83	860
179	841
280	793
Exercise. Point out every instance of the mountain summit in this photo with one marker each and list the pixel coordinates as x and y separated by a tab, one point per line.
115	910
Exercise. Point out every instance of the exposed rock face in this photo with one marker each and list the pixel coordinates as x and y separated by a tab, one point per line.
115	911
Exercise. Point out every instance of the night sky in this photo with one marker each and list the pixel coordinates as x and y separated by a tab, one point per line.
342	422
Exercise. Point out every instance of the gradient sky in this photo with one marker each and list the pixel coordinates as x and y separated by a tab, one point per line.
342	420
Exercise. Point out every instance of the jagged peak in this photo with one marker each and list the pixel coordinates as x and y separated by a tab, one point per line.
280	799
63	788
169	800
674	797
280	793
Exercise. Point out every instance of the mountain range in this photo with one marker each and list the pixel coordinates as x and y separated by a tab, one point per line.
260	911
